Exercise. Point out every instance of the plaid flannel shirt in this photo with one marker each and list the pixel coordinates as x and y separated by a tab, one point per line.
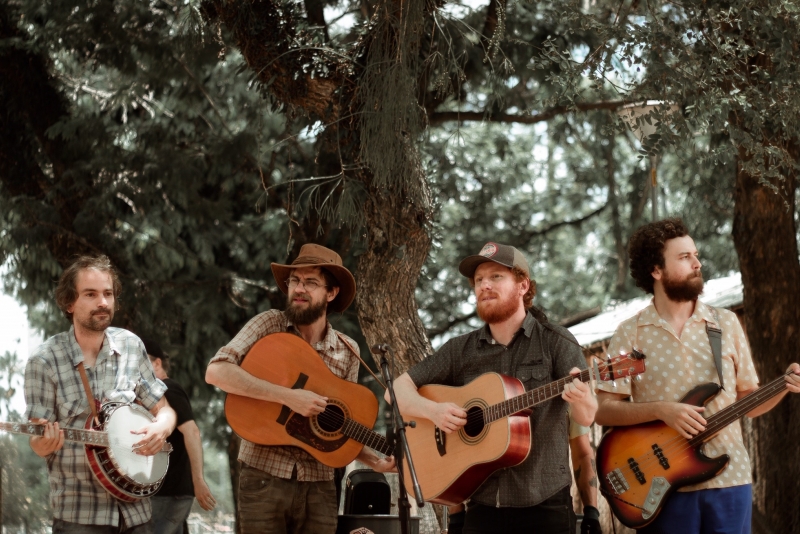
281	461
54	391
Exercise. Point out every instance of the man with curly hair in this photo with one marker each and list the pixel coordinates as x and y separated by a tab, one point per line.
672	333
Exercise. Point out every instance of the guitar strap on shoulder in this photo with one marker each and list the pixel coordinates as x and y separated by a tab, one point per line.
358	355
88	390
715	340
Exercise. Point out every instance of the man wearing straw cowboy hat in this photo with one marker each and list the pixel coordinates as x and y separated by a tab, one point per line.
284	489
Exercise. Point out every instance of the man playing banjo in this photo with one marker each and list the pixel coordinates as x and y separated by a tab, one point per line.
117	370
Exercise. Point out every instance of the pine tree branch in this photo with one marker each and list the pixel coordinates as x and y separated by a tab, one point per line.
467	116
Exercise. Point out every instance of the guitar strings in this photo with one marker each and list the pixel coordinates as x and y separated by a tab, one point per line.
531	397
716	422
336	419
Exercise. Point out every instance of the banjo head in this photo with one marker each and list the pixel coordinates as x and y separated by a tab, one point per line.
142	470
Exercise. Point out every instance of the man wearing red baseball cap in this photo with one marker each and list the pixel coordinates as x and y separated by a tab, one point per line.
516	340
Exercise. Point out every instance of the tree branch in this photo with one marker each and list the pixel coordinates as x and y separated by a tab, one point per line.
441	329
528	235
464	116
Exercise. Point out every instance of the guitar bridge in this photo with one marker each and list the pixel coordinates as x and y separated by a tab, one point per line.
441	441
617	481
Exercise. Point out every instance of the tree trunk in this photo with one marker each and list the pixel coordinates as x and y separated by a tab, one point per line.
387	273
765	236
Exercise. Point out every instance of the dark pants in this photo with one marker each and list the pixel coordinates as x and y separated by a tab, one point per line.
708	511
65	527
272	505
553	516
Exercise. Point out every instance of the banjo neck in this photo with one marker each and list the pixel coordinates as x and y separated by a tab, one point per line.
86	437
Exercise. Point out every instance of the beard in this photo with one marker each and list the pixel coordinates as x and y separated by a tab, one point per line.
685	290
498	310
96	323
302	317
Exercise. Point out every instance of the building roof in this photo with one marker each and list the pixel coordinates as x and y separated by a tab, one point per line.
721	292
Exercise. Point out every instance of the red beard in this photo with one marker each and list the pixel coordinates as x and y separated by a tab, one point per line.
497	310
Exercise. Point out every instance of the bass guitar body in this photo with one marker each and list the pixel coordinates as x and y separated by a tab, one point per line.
640	466
287	360
450	467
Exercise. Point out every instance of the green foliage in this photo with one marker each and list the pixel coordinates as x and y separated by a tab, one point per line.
24	486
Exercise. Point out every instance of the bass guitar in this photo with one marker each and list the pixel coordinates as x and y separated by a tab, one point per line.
640	466
450	467
125	475
335	436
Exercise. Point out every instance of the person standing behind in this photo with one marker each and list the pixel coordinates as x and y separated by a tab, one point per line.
117	370
184	479
672	333
534	495
284	489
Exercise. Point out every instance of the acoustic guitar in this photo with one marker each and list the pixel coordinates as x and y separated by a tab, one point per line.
640	466
450	467
127	476
335	436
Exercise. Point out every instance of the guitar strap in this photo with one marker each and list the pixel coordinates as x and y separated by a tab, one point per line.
715	340
358	355
88	390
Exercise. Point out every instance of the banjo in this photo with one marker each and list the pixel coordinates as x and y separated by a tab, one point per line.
124	474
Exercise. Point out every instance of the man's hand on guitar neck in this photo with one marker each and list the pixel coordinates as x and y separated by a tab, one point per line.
48	443
579	395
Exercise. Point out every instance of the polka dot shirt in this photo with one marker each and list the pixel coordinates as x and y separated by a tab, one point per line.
676	365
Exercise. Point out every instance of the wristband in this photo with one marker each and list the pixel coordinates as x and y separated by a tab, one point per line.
590	512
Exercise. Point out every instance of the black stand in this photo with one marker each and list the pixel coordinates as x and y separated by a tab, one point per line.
400	447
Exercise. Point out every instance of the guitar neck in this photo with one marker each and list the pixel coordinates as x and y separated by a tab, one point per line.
739	409
87	437
366	436
531	398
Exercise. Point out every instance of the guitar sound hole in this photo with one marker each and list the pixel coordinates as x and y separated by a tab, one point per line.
332	419
475	423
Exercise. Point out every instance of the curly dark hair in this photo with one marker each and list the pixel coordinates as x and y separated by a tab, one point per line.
646	248
67	290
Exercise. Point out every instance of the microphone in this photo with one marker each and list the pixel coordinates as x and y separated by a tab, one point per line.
380	348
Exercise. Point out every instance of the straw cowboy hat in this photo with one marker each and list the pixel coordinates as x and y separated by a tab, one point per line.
318	256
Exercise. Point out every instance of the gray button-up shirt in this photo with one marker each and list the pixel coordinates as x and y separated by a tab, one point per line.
54	391
536	356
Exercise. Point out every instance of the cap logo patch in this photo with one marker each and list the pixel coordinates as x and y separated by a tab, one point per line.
488	250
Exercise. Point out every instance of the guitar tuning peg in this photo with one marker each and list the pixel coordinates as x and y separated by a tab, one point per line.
626	380
613	383
638	378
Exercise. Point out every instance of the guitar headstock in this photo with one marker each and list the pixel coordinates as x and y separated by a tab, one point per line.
622	366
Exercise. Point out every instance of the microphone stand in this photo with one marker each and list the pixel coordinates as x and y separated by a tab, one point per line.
401	449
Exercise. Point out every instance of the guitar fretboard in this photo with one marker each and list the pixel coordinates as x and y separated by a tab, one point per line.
366	436
739	409
87	437
535	396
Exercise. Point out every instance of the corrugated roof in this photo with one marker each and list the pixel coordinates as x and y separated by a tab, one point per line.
722	292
